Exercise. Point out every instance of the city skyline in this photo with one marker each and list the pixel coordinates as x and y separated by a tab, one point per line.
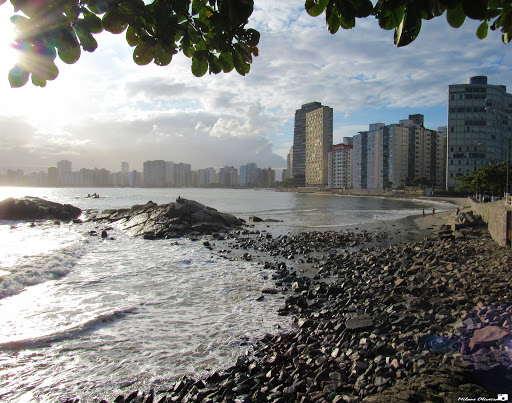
105	105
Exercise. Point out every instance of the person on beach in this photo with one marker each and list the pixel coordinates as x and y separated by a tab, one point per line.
433	211
423	212
457	211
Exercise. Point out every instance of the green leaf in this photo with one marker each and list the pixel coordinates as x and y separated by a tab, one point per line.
69	54
252	37
316	7
495	4
131	36
475	9
113	21
86	39
162	58
18	76
215	64
186	47
93	23
98	6
393	18
482	30
144	53
241	66
38	81
363	8
199	66
456	16
505	38
226	61
332	18
408	30
2	1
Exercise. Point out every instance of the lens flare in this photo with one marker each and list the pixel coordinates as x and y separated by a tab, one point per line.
8	54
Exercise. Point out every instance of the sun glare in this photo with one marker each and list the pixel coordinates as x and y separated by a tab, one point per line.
8	55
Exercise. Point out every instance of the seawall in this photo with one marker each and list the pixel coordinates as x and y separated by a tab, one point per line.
495	215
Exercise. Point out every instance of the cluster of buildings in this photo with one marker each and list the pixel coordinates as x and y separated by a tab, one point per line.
478	133
392	156
157	173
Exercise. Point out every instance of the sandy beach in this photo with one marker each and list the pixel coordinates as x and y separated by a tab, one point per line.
446	217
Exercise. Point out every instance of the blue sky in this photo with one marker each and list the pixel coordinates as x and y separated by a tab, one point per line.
105	109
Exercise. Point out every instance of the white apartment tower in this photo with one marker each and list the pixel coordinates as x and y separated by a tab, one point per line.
340	166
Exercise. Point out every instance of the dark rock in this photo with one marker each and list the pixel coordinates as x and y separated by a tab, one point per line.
34	208
358	323
182	218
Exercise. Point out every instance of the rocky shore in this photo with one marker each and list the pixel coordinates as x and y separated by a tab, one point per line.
34	208
428	321
173	220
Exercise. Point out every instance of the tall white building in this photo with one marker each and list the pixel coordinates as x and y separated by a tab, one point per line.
206	177
154	173
64	170
394	155
340	166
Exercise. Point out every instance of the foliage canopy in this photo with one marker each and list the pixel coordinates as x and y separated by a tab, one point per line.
491	179
212	33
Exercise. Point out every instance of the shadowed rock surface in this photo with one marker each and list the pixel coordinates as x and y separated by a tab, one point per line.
34	208
173	220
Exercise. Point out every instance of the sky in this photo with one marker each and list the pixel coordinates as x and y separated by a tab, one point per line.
105	109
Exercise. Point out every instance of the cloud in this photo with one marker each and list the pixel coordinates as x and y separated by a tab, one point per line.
105	107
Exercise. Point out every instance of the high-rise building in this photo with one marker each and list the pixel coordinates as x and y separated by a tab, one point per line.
299	143
182	174
340	166
479	127
266	177
394	155
249	174
319	133
206	177
289	165
228	176
154	173
64	169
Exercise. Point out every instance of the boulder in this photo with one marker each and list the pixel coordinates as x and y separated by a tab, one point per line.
487	336
181	218
34	208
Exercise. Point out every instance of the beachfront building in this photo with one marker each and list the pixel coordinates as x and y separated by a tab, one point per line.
479	127
340	166
249	174
154	173
206	177
64	170
391	156
182	174
299	143
289	165
368	157
228	176
319	132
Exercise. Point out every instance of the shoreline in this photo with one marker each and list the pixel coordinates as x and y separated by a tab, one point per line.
395	321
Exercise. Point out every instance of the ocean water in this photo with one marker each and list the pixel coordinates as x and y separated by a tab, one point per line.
85	317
